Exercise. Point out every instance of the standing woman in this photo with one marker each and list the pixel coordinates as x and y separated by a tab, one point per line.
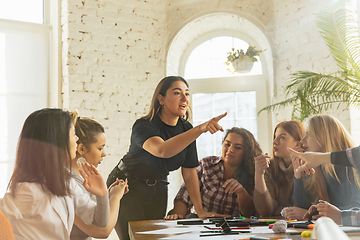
226	181
161	142
43	198
333	183
274	178
91	149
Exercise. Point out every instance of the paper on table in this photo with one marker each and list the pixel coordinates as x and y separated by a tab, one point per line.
267	230
195	236
349	228
168	231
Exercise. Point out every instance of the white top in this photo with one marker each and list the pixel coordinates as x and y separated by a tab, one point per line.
35	213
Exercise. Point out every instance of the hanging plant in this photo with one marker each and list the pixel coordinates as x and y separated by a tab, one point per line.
241	61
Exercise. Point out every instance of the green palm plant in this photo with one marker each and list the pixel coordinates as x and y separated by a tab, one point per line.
312	93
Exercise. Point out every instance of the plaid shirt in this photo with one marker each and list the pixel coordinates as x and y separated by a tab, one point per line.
350	217
214	199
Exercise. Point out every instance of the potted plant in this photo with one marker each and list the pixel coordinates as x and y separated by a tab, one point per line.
312	93
243	61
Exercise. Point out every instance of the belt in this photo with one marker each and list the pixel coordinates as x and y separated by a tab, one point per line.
150	182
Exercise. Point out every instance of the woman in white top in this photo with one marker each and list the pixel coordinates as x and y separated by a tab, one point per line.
43	198
91	149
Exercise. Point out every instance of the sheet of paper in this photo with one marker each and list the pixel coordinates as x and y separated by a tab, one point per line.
168	231
194	236
266	229
348	228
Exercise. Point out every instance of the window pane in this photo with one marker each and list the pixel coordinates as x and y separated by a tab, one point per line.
203	109
246	104
241	108
207	60
224	102
24	72
30	10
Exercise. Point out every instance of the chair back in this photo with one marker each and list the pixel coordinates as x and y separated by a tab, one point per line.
6	231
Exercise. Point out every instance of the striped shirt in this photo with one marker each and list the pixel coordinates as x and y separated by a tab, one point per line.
211	176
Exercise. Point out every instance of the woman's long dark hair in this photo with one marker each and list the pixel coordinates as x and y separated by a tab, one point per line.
161	89
43	153
246	170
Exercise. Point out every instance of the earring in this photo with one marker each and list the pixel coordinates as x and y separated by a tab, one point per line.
80	160
158	109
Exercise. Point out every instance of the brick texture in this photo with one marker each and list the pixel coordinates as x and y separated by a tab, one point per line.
114	54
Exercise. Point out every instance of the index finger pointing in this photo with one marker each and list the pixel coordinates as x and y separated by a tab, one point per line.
220	117
294	152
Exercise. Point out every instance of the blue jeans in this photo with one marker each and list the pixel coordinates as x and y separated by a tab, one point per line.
144	201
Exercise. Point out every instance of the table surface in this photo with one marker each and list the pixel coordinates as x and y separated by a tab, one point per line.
141	226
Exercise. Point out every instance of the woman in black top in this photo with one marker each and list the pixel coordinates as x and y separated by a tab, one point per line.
162	141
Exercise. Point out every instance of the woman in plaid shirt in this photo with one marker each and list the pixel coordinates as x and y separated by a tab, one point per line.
227	181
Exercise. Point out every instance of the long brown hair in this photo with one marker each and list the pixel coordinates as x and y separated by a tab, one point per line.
296	130
161	89
331	135
43	153
246	170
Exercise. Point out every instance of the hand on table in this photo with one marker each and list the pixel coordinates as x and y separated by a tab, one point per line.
328	210
295	213
173	217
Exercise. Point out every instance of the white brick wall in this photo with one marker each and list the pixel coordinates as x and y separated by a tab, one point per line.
114	53
113	57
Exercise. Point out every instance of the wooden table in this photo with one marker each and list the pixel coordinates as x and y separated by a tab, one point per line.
140	226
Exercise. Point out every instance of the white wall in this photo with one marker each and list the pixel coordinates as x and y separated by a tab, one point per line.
114	54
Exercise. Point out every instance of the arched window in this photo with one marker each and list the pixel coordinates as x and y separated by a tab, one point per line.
206	62
207	59
198	52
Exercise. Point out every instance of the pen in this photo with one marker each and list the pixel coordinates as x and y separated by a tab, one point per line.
220	234
263	238
221	231
295	233
232	228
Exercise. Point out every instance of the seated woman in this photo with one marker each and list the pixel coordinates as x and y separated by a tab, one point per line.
334	184
91	149
274	178
227	181
43	198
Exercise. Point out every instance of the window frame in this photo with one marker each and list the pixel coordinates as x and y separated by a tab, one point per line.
257	83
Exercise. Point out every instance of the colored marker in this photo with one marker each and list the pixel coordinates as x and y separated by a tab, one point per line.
263	238
220	234
295	233
232	228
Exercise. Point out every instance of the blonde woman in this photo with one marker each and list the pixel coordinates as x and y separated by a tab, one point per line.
91	149
335	184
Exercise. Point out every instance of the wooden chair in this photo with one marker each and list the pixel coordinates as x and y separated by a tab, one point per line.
6	231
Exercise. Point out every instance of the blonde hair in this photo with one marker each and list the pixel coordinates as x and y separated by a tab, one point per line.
331	135
86	129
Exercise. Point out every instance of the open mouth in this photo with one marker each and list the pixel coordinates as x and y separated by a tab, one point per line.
182	106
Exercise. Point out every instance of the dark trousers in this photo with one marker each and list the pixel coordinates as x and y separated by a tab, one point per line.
142	202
